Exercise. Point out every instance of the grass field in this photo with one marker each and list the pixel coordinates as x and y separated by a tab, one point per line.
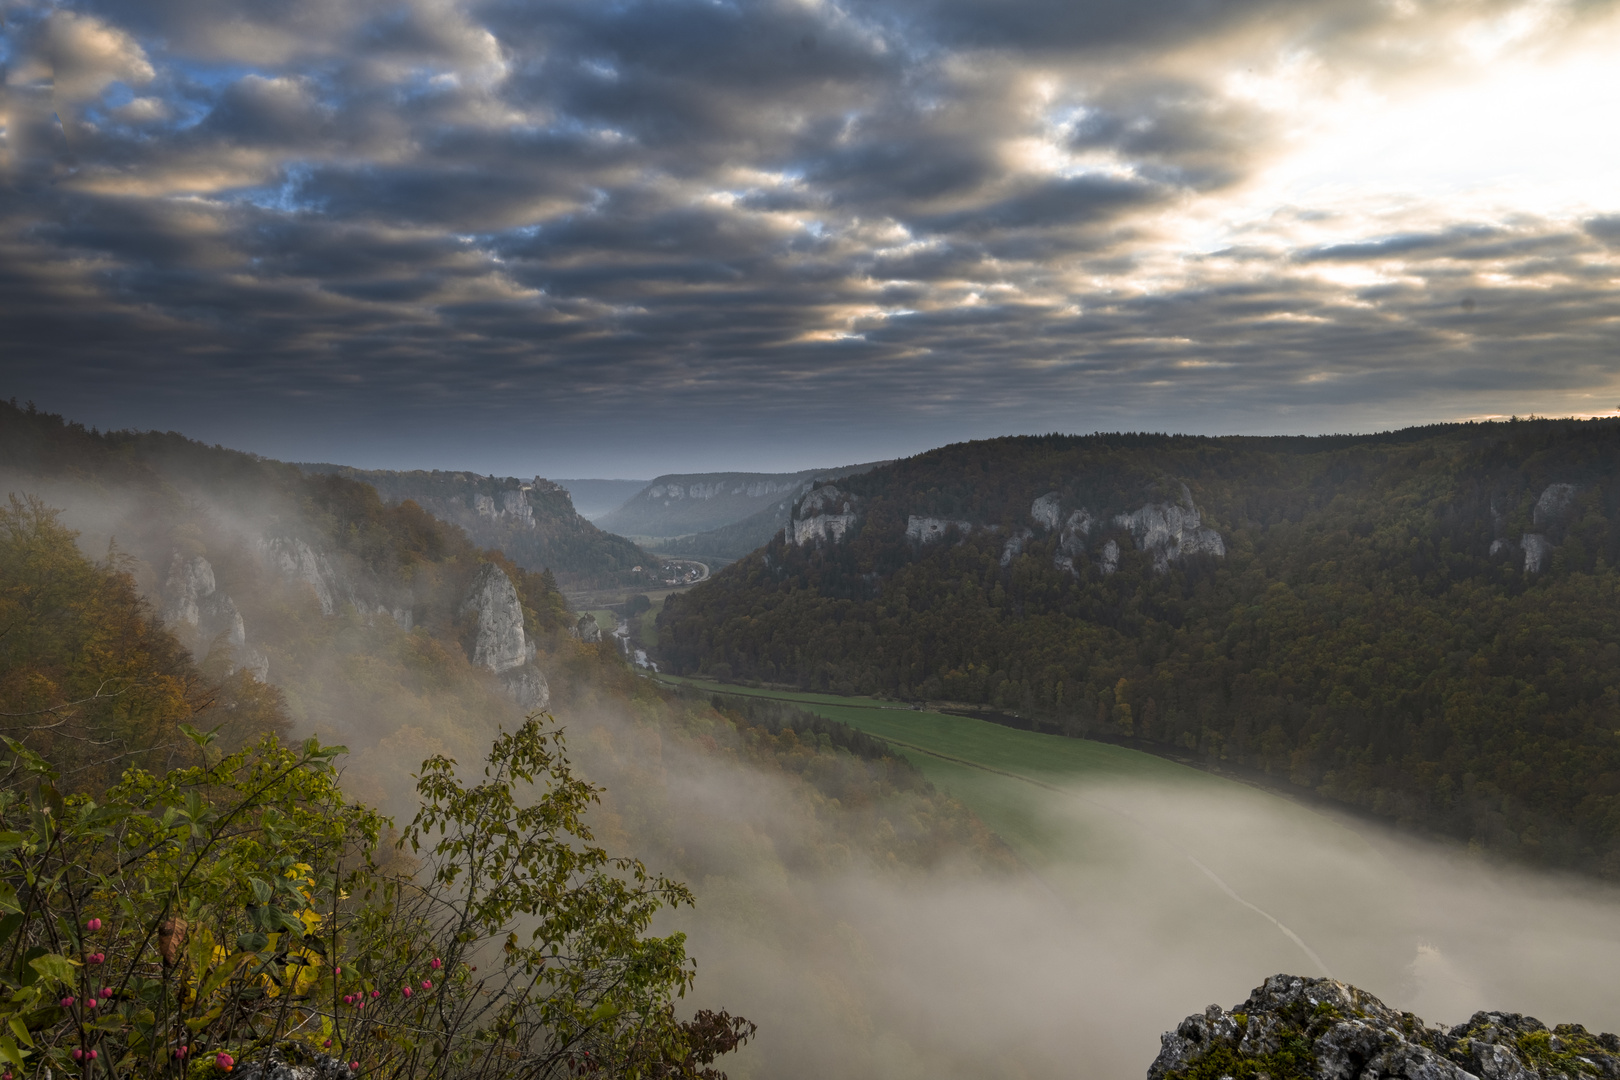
1003	774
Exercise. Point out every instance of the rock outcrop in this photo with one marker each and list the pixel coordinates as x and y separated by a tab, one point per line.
1072	541
498	641
587	629
1552	512
1108	558
1327	1030
1537	552
927	530
299	563
1167	531
825	515
1047	510
204	616
1554	505
1171	531
527	686
1014	546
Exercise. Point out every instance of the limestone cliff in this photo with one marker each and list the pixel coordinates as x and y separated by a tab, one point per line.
825	515
1321	1029
689	507
1169	531
1553	510
498	641
203	616
334	584
533	522
1166	531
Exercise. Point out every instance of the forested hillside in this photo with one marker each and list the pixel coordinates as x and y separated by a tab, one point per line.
242	594
533	522
1424	624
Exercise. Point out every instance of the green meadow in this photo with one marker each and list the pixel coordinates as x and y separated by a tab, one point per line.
1000	772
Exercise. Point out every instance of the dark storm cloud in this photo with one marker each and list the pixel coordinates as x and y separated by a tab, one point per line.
942	214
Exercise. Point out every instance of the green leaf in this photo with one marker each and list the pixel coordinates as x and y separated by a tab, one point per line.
197	1023
201	738
55	966
9	1051
230	967
20	1029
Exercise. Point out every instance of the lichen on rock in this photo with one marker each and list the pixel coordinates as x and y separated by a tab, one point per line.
1294	1028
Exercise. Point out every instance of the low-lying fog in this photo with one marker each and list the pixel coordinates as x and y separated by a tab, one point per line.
1141	903
1146	903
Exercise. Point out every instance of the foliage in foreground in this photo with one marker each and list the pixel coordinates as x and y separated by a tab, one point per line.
201	919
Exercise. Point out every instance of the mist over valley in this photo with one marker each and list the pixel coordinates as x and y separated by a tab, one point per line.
891	885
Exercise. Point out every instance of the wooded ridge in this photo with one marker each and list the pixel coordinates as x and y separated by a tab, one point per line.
1421	623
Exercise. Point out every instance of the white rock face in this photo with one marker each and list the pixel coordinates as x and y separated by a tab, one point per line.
1045	511
1537	551
1014	546
514	504
1170	531
1555	504
1072	540
298	562
927	530
499	644
527	686
1108	558
189	581
254	660
1503	547
587	629
191	599
825	515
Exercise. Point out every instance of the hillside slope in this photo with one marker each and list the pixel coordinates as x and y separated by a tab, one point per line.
680	505
532	521
1425	624
309	602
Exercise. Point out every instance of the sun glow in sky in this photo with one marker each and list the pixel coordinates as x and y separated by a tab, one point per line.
458	232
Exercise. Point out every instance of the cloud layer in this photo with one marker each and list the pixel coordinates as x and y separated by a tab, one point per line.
847	230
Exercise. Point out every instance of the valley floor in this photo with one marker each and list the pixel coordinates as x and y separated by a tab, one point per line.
1234	883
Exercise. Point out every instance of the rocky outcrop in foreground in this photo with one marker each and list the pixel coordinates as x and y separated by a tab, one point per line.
1322	1029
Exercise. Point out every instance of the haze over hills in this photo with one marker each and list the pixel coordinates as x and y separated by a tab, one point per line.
593	498
1424	624
699	508
532	521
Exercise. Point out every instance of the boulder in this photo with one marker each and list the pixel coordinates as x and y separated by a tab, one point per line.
1328	1030
527	686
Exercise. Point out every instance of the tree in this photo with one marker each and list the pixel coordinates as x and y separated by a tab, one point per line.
208	917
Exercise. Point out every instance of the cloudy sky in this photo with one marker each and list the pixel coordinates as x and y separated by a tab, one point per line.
624	237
